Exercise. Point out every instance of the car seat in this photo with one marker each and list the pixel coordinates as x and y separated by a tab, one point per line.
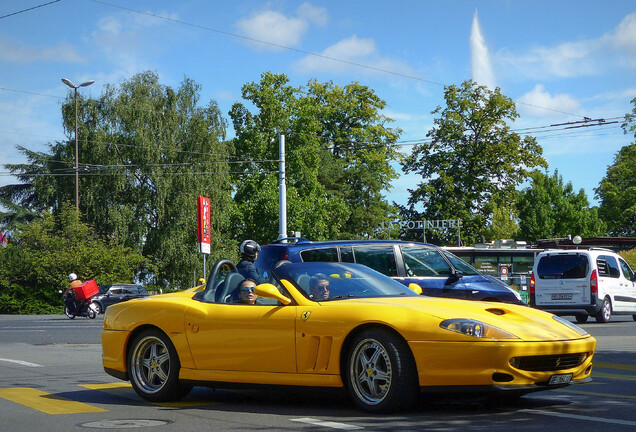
232	281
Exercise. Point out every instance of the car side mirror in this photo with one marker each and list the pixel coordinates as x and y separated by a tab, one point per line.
415	288
268	290
455	276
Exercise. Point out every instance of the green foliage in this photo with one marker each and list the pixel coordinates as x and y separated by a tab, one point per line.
473	161
504	224
36	264
630	257
550	209
146	151
338	153
617	190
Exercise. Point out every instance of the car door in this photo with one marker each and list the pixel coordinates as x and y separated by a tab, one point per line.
112	296
629	280
241	337
610	281
428	268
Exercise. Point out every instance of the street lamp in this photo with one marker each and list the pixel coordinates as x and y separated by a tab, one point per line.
69	83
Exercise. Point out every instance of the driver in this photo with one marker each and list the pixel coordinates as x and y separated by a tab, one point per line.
319	287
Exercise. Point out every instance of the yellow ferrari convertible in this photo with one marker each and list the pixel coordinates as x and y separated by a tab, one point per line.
338	325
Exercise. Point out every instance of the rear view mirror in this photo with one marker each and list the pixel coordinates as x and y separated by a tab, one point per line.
415	288
268	290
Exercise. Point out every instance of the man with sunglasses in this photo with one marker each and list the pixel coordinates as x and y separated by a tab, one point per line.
319	287
246	292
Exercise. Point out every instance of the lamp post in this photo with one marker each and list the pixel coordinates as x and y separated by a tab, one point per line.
69	83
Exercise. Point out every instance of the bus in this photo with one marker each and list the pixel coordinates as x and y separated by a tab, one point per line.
511	264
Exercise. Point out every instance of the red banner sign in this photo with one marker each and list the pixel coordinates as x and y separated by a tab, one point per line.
203	222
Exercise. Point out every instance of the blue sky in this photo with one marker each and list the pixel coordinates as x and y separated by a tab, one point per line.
560	61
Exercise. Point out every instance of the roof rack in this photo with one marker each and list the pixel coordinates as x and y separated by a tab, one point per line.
291	240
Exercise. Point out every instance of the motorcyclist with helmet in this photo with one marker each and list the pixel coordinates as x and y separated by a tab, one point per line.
249	252
69	294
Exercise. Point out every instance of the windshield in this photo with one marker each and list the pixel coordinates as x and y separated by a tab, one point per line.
335	281
461	265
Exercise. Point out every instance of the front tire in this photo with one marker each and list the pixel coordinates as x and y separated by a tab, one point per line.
379	372
68	313
153	367
581	318
97	307
605	314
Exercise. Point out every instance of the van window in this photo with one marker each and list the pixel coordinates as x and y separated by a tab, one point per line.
566	266
607	266
320	255
424	262
379	258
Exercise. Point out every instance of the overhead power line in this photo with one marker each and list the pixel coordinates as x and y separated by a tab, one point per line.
29	9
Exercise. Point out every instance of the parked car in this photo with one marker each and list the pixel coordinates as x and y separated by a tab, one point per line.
583	282
371	336
438	272
117	293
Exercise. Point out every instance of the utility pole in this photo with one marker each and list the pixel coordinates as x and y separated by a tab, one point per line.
282	189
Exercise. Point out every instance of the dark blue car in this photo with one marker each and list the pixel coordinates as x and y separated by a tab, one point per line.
438	272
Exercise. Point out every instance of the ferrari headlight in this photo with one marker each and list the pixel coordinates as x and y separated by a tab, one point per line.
475	328
567	323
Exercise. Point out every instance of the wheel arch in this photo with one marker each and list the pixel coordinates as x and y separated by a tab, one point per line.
346	345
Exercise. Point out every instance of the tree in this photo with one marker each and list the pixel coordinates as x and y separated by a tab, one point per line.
146	151
548	208
473	161
35	264
338	153
617	190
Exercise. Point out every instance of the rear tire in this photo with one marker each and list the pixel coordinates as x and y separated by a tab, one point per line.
605	314
379	372
153	367
581	318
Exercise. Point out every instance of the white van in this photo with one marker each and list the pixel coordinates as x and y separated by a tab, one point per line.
583	282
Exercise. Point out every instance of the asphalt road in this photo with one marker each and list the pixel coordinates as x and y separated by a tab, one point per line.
51	380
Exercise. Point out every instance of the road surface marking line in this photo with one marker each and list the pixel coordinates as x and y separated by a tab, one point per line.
333	425
615	376
46	402
581	417
615	366
586	393
125	389
21	362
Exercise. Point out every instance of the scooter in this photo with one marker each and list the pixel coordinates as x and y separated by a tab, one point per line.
83	308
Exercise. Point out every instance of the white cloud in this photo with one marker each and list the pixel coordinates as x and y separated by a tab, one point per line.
348	54
536	101
576	58
623	38
19	53
316	15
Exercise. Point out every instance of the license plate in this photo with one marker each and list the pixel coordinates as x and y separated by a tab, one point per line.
561	296
560	379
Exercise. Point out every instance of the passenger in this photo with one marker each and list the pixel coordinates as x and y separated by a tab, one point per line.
249	253
246	292
319	287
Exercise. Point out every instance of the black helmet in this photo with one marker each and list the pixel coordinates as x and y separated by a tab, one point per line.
249	248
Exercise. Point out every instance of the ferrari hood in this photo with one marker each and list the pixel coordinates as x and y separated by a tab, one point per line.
526	323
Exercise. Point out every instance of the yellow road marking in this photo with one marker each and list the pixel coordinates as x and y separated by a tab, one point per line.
46	402
615	366
122	389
